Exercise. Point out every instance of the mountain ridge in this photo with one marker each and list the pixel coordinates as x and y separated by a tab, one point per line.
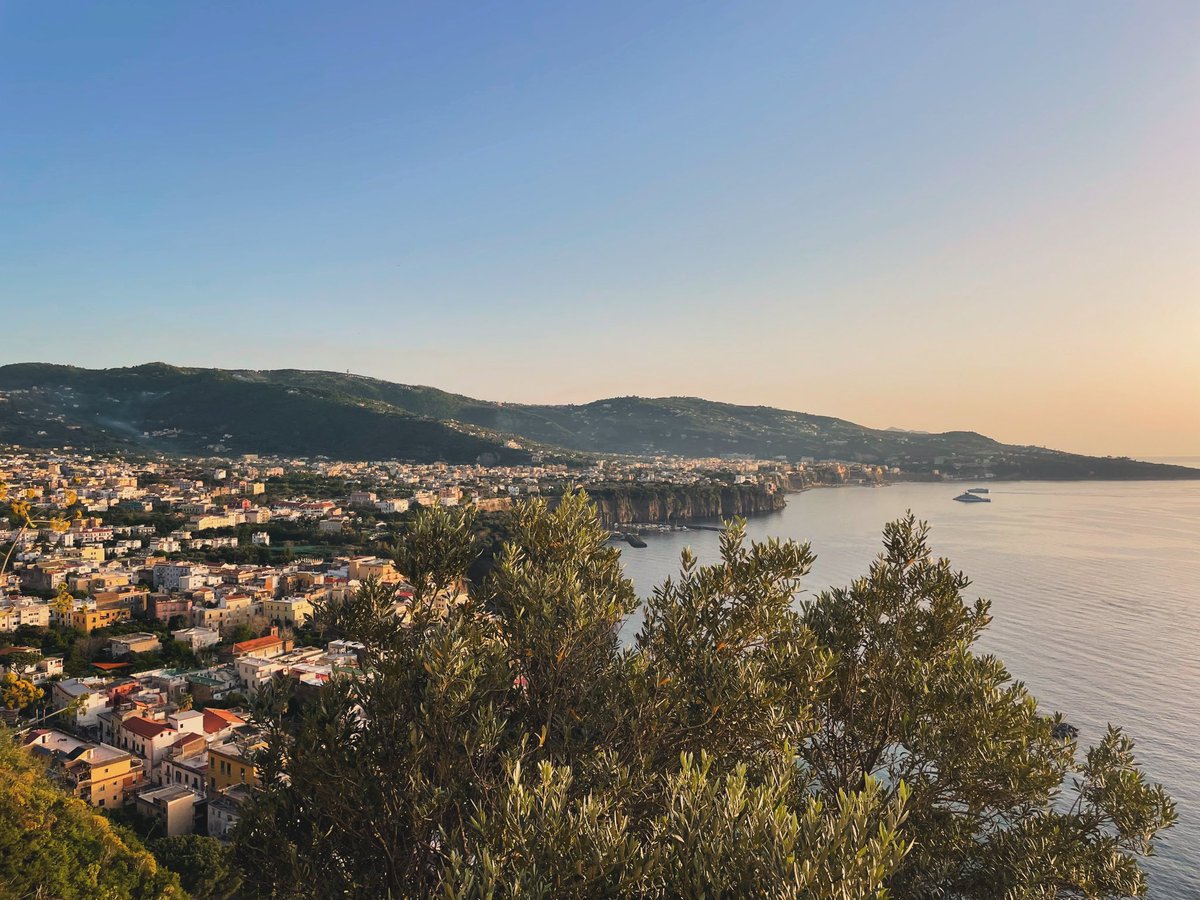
301	412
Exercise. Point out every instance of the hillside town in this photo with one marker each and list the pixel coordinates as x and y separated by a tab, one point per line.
145	602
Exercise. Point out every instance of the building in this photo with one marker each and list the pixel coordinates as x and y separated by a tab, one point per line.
44	577
174	577
129	597
18	611
265	647
230	762
98	582
361	568
292	611
21	661
89	701
138	642
228	611
213	684
224	810
205	522
88	617
197	638
164	607
187	763
102	775
173	805
150	739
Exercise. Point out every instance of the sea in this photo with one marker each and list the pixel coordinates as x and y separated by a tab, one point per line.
1095	590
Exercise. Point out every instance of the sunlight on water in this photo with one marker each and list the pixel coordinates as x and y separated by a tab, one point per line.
1095	591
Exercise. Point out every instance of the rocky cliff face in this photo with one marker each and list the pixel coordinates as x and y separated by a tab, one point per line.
646	503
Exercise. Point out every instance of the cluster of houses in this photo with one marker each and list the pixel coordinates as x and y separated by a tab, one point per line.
154	740
206	497
201	600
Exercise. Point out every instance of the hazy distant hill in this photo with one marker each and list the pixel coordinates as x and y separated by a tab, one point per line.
304	413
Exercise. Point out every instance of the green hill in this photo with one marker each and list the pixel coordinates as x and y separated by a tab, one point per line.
305	413
211	410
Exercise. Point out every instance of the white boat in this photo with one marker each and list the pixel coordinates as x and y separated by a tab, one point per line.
969	497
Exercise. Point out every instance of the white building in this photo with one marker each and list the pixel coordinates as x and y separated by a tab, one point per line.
18	611
173	577
197	638
86	695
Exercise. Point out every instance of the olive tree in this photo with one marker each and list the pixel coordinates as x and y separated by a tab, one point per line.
742	743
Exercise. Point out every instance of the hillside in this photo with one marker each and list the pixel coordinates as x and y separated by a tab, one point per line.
208	410
305	413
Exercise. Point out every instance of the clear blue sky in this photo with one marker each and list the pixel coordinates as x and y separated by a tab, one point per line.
933	215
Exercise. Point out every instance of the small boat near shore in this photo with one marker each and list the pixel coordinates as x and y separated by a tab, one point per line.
972	497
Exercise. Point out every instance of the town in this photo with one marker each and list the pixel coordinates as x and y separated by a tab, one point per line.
147	601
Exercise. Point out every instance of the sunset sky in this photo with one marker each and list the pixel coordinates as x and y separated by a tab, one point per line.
937	216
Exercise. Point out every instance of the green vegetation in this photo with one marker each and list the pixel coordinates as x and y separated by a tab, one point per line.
202	864
512	746
299	413
53	845
196	410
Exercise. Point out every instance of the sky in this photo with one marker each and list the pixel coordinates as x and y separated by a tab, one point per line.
931	215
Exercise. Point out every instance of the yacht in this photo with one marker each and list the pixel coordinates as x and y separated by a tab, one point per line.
970	497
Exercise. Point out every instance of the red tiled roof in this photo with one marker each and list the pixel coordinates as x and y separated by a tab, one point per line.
253	644
144	727
7	650
218	719
110	667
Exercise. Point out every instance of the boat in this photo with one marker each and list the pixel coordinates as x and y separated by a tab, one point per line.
968	497
977	490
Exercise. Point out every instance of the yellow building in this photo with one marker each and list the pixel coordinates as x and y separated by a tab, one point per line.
102	775
87	620
229	763
361	568
292	611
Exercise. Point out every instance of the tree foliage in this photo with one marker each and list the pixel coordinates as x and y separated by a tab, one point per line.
54	845
17	692
202	864
742	744
991	784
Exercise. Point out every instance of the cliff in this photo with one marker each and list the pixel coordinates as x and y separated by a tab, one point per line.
646	503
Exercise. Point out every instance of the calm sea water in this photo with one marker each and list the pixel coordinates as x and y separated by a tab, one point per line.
1095	591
